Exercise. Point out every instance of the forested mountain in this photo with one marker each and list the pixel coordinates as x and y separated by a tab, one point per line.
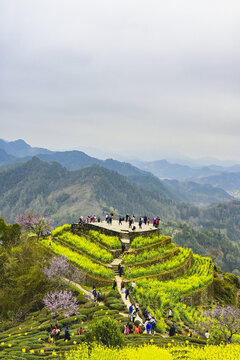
227	181
64	195
5	158
20	148
199	194
206	242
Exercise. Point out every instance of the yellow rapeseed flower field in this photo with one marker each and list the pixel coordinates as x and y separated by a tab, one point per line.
153	352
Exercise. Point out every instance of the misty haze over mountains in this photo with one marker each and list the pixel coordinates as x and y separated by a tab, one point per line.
224	177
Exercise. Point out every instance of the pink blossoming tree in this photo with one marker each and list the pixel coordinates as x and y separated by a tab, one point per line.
61	302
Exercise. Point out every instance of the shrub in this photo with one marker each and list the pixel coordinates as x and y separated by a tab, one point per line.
105	331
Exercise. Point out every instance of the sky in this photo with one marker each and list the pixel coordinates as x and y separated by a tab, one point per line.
143	79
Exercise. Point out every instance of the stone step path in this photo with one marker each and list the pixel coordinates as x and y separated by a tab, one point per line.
114	265
126	242
127	302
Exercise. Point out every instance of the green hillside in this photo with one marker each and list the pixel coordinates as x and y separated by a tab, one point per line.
65	195
165	276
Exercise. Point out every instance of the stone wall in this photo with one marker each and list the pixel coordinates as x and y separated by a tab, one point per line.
133	234
90	280
84	228
199	297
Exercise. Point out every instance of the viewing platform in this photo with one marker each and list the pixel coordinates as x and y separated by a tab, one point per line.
116	229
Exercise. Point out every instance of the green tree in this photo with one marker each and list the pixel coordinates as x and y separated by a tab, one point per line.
22	282
105	331
9	234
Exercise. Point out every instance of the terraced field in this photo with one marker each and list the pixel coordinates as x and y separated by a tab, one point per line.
165	275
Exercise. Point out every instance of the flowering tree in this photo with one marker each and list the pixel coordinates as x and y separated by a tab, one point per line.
31	222
61	302
59	267
224	321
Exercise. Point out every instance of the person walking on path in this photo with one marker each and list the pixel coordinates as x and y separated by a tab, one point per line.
153	325
134	315
172	330
126	293
133	285
123	248
120	220
148	327
170	313
114	284
122	285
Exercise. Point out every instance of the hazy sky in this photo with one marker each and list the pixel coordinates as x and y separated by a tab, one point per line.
144	78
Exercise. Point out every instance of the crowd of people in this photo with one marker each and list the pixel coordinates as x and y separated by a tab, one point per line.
131	220
89	219
56	332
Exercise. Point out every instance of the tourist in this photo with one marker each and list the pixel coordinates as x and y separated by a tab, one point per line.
99	295
170	313
123	248
130	222
172	330
120	220
148	221
134	228
67	334
127	217
120	271
126	293
80	331
137	307
130	310
139	329
140	223
94	292
53	333
153	325
207	335
126	330
135	330
57	334
148	327
133	285
134	315
114	284
130	328
122	285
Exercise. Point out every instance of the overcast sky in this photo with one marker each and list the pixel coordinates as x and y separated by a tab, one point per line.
141	78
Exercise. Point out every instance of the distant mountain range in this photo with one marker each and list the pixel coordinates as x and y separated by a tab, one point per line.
166	170
190	192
